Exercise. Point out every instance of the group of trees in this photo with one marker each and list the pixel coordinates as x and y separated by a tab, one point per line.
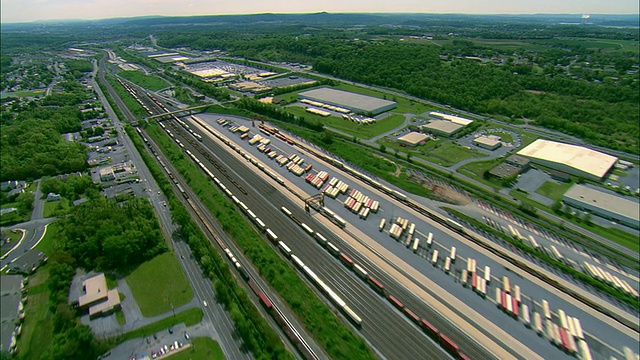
106	235
71	187
32	145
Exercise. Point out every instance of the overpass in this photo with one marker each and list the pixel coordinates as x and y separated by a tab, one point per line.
187	111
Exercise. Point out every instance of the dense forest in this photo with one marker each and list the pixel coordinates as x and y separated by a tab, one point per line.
32	145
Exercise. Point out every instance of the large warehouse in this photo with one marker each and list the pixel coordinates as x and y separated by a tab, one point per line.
572	159
603	204
357	103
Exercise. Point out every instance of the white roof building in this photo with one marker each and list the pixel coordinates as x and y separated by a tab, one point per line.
573	159
454	119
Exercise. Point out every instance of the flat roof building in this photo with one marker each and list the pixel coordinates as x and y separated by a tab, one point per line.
442	127
572	159
357	103
413	138
606	205
490	142
95	289
97	297
454	119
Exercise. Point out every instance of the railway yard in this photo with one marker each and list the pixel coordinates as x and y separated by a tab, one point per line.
414	286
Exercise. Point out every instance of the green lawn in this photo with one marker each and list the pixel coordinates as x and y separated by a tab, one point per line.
553	190
48	244
56	208
158	284
450	153
201	349
146	81
37	330
188	317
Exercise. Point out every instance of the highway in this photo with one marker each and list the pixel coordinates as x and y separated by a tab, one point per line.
215	314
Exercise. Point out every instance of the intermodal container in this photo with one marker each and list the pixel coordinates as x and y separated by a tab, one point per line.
346	260
429	329
376	285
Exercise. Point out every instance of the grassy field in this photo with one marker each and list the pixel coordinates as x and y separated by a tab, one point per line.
188	317
56	208
48	244
362	131
553	190
120	317
136	109
159	283
37	330
201	349
450	154
146	81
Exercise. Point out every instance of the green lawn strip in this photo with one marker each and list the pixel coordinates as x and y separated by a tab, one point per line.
334	336
56	208
120	317
188	317
200	349
146	81
49	242
158	284
553	190
136	109
546	258
257	336
37	329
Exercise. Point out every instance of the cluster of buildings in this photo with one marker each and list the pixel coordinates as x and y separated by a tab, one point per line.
445	125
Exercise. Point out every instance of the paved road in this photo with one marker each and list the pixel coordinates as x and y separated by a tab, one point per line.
38	204
35	230
222	327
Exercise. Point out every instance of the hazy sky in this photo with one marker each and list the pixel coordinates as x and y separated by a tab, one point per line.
30	10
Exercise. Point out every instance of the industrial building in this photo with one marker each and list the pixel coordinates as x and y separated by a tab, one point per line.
603	204
490	142
357	103
572	159
442	127
97	297
454	119
413	139
513	165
